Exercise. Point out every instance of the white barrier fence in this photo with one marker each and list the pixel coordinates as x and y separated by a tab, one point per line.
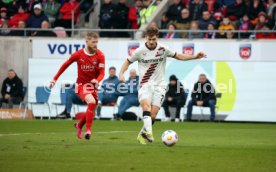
248	89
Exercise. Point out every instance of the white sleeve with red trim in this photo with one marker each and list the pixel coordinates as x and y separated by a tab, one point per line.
135	56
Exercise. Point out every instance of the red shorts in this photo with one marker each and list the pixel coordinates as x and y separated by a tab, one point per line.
82	91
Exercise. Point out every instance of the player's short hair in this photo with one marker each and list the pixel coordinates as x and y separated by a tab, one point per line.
11	70
92	35
152	31
202	74
112	68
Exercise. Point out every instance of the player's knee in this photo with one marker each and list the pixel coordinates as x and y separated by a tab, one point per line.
90	99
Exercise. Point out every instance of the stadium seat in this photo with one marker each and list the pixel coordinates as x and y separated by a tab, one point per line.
62	100
42	95
22	103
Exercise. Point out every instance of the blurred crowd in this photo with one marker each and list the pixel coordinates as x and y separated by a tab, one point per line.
42	14
194	15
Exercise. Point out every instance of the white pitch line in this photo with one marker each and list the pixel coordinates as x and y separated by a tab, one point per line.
99	132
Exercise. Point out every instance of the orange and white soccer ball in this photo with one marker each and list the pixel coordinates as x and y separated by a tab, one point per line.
169	138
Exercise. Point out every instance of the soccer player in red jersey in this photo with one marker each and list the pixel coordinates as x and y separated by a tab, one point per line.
91	63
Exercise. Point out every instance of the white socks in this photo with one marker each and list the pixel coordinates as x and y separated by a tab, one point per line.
147	123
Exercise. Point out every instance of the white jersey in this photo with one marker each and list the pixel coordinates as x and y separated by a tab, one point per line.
152	63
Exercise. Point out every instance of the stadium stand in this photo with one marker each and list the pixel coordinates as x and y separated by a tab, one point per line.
129	14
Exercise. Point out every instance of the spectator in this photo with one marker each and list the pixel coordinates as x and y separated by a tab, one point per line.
36	18
71	98
133	14
107	17
205	20
121	18
174	11
210	34
12	90
51	9
21	15
4	16
236	10
262	21
131	96
272	14
174	97
44	33
5	31
14	5
244	25
218	16
171	34
65	18
21	25
164	21
254	8
108	94
85	6
225	25
230	35
196	8
146	12
262	24
184	23
30	5
203	95
195	34
225	2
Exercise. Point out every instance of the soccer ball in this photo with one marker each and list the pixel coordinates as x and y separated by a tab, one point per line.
169	138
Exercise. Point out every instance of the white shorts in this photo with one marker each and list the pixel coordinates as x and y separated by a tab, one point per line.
155	94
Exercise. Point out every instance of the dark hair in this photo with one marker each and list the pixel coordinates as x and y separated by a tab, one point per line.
152	31
172	25
112	68
11	70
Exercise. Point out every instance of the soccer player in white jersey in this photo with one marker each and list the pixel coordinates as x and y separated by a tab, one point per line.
151	59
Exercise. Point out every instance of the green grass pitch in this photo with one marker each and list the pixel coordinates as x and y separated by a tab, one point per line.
216	147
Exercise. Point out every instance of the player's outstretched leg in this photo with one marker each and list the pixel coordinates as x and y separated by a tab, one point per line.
142	140
90	114
148	126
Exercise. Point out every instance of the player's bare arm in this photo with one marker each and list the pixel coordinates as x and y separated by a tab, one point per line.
186	57
123	70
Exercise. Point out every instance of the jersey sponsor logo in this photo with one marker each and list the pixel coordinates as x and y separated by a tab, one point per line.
87	67
188	48
152	60
245	51
132	47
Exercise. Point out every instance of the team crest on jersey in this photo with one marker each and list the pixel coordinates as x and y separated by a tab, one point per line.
132	47
245	51
94	62
188	48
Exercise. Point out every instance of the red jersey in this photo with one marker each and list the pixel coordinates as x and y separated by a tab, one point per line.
90	66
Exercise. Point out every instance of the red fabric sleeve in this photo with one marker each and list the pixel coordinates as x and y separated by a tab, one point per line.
65	65
101	69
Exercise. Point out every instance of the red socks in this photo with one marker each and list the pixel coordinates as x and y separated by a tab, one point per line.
90	113
88	117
